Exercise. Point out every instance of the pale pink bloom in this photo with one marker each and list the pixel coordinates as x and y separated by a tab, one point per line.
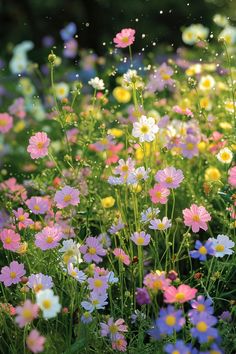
92	250
124	38
196	217
6	122
122	256
232	176
26	313
159	194
38	205
10	239
18	108
35	342
67	196
13	189
48	238
156	282
184	111
181	294
22	218
38	145
112	328
119	343
12	274
169	177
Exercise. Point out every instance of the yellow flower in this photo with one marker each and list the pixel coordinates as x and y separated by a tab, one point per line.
205	103
121	95
136	188
19	126
107	202
23	248
212	174
202	146
225	125
117	133
139	153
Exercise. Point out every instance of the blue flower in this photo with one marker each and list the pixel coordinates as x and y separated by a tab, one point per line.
201	251
203	323
178	347
68	32
201	304
170	320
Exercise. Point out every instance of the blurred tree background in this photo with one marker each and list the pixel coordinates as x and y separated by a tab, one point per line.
98	20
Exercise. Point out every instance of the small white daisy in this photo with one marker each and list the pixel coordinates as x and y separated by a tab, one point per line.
222	245
97	83
48	303
145	129
225	155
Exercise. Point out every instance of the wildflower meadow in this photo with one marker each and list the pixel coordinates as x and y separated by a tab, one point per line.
118	196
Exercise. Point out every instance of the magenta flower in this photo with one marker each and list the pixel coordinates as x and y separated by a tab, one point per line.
35	342
26	313
67	196
196	217
12	274
159	194
169	177
124	38
22	218
92	250
6	122
48	238
38	205
38	145
10	239
140	238
122	256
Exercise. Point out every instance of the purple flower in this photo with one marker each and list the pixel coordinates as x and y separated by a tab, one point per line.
98	284
226	316
202	251
189	147
70	48
201	304
92	250
142	296
116	227
169	177
68	32
178	347
203	323
39	282
140	238
86	317
149	214
161	79
170	320
48	41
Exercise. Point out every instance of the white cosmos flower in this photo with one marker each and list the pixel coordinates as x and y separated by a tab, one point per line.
222	245
61	90
206	83
145	129
225	155
97	83
48	303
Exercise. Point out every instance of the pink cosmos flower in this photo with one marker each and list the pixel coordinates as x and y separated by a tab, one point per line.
12	274
140	238
92	249
159	194
119	343
156	282
196	217
18	108
98	284
38	145
26	313
124	38
184	111
122	256
67	196
181	294
6	122
232	176
10	239
22	218
112	328
14	190
169	177
35	342
38	205
48	238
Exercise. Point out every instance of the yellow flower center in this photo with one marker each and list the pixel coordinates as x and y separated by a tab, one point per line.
165	76
157	284
113	328
196	218
73	273
13	275
92	250
202	326
40	145
200	308
67	198
3	122
189	146
98	283
140	240
27	314
158	194
161	226
8	240
169	179
144	129
21	218
180	296
38	287
36	207
125	39
202	250
225	156
207	83
175	352
49	239
124	168
170	320
47	304
220	248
